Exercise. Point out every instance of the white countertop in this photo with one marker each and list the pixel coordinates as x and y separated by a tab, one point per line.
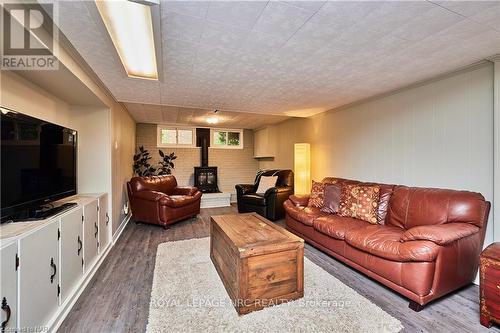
10	232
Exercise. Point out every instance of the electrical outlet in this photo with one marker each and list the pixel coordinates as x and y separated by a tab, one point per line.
125	208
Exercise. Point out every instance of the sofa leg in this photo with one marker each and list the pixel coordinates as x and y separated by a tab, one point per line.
415	306
138	222
166	227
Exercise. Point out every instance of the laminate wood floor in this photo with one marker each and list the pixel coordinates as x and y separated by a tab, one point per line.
117	297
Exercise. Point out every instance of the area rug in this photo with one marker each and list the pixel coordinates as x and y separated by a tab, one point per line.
188	296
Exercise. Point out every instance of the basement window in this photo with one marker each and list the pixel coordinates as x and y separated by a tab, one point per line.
227	138
176	137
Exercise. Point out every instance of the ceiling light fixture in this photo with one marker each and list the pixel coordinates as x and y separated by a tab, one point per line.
212	120
131	29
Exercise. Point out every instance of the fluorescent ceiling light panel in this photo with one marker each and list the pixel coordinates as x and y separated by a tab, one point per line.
130	26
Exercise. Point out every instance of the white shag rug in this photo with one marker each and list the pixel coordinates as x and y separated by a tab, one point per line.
188	296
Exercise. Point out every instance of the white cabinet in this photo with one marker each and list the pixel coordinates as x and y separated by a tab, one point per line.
47	263
8	286
104	222
264	142
90	234
38	276
71	249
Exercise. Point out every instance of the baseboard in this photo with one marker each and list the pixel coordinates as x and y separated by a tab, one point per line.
70	301
121	227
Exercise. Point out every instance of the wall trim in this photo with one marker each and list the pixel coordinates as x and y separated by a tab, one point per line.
121	227
496	149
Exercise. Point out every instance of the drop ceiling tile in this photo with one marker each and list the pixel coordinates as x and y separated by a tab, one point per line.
183	27
426	24
241	14
281	19
223	36
469	8
312	6
296	58
192	8
347	12
260	43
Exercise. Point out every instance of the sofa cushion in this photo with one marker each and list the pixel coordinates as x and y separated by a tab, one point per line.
383	202
305	215
414	206
258	199
359	201
331	200
336	226
317	195
176	201
265	183
384	241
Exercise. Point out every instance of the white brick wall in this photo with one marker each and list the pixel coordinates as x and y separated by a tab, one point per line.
235	166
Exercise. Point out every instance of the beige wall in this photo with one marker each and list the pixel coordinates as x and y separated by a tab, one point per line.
122	148
439	134
235	166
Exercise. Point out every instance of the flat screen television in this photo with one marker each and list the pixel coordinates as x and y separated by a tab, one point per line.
38	161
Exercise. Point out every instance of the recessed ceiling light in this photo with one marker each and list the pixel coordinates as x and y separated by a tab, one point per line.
212	120
131	29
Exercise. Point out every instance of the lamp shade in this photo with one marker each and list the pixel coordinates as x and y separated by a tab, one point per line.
302	168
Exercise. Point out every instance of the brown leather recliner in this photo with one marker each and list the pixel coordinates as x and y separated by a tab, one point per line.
158	200
269	204
428	245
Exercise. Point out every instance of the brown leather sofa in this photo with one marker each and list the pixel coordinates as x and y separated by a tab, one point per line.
427	246
158	200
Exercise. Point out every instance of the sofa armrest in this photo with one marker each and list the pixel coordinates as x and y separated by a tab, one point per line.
441	234
299	199
188	190
278	190
242	189
149	195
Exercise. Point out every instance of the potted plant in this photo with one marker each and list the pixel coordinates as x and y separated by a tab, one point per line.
166	165
144	168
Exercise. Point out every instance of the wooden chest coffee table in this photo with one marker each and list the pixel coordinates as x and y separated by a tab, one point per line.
260	263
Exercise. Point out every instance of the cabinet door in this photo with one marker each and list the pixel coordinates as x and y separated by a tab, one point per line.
8	286
71	252
104	225
38	276
90	234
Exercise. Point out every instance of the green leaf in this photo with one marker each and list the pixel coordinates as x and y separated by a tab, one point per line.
161	153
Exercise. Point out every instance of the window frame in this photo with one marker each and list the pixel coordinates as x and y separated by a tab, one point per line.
159	143
227	130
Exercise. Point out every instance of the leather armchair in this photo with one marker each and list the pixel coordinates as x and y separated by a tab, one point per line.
158	200
269	204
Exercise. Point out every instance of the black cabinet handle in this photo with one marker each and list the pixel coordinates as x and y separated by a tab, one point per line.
80	245
6	308
107	219
54	267
96	230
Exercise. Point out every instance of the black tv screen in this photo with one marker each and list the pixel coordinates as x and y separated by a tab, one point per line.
38	162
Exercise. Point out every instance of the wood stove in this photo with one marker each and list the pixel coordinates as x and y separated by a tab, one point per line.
205	177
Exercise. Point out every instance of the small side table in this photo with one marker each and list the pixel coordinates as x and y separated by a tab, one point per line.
489	288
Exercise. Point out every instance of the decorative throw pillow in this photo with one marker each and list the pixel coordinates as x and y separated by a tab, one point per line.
317	195
360	202
331	200
266	182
